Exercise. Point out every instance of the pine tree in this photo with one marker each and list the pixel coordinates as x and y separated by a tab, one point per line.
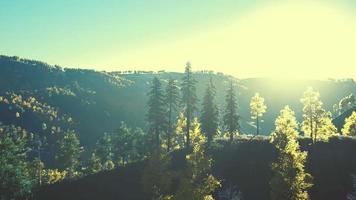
104	148
231	118
350	125
122	144
312	113
326	128
290	181
15	181
189	99
156	110
196	181
69	152
94	164
171	100
258	108
209	116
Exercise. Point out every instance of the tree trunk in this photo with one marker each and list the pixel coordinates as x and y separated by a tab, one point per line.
169	128
257	126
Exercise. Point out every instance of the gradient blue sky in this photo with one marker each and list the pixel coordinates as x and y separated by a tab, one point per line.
164	34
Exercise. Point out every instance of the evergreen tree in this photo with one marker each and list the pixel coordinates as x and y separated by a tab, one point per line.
15	181
156	110
326	128
196	182
36	168
189	99
231	118
290	181
104	148
157	178
69	152
171	99
312	113
258	108
122	144
94	164
350	125
209	117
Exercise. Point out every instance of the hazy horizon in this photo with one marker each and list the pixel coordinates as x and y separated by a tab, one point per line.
304	39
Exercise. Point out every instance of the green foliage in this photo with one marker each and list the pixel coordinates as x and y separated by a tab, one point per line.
196	182
36	170
231	117
290	181
129	144
189	99
51	176
258	108
209	114
171	100
15	180
69	152
94	164
157	178
350	125
104	148
156	110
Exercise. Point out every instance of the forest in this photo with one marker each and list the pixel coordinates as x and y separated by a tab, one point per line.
70	133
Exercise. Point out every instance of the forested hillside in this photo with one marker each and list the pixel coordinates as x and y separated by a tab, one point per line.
98	101
172	136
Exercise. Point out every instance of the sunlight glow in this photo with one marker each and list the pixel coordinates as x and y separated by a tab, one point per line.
288	39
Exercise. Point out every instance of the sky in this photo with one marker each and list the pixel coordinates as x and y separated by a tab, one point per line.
244	38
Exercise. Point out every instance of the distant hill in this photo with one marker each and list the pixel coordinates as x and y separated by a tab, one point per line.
98	101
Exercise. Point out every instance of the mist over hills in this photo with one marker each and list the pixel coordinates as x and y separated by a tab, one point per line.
98	101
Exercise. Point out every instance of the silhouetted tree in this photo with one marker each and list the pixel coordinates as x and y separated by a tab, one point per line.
189	99
231	118
312	113
156	110
171	99
209	117
258	108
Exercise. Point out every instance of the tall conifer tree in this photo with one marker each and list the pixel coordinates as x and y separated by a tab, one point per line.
189	99
231	117
156	110
171	100
209	117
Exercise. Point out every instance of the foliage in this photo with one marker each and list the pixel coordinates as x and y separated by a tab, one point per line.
157	178
69	152
350	125
129	145
15	180
231	117
196	182
317	123
171	100
36	171
104	148
258	108
51	176
345	104
290	181
189	99
94	164
156	111
209	114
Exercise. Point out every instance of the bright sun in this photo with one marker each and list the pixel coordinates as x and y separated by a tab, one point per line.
290	40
